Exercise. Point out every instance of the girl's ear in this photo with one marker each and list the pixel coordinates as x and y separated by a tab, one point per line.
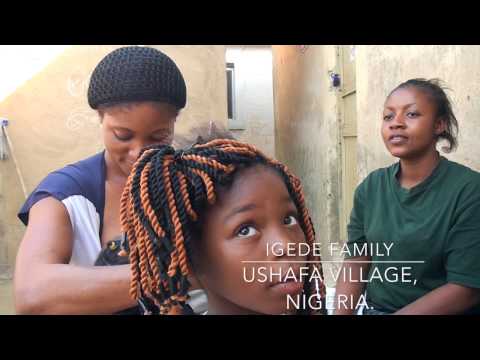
440	126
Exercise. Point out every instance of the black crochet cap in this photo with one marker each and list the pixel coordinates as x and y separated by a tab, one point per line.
137	73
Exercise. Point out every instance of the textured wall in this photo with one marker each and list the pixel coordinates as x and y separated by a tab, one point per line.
307	133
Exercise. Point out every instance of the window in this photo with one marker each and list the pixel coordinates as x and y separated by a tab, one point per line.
233	121
230	90
3	140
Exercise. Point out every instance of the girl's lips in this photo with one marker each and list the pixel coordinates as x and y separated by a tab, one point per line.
288	288
397	139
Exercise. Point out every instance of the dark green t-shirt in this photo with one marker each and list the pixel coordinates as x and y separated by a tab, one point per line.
432	229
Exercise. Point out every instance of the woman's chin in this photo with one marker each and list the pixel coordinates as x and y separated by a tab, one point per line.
399	153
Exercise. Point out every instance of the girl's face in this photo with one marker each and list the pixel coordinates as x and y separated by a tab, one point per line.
410	126
127	129
256	212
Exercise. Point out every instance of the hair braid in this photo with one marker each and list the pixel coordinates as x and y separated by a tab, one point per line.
126	219
179	257
181	199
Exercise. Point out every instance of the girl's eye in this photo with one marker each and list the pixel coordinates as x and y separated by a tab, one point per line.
387	117
412	114
290	220
246	231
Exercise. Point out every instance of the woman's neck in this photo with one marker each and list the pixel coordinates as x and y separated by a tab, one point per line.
113	173
414	171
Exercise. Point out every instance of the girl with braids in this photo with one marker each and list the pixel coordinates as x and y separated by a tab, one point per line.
425	208
138	93
212	212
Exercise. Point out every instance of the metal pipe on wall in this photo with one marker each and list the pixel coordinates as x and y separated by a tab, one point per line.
4	125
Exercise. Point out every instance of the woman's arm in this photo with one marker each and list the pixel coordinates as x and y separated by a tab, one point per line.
448	299
44	282
347	292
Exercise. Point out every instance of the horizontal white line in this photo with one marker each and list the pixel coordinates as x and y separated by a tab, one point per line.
346	261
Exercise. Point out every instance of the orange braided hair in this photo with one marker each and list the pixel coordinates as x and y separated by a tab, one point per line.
160	207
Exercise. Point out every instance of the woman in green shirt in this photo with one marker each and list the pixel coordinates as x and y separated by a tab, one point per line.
414	232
